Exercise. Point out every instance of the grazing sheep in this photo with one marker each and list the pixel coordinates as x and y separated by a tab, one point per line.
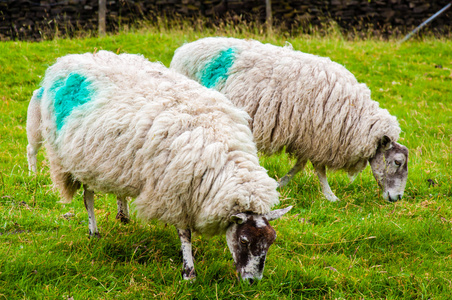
312	106
120	124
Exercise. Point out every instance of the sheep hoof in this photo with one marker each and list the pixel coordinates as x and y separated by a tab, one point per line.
96	235
283	181
189	274
122	217
332	198
190	279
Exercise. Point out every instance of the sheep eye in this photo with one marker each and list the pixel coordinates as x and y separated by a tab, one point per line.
243	242
397	163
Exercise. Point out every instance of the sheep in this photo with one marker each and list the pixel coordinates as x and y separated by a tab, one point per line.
309	105
120	124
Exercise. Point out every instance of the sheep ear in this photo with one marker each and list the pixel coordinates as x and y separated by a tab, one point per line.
276	214
239	218
385	143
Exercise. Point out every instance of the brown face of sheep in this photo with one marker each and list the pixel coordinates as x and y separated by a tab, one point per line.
249	237
390	168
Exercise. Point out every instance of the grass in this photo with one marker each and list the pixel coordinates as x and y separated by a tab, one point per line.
360	247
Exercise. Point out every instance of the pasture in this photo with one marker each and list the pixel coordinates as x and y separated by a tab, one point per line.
360	247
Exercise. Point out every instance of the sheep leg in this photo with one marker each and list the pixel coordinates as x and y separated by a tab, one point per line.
188	269
32	151
88	198
299	165
123	210
321	174
33	132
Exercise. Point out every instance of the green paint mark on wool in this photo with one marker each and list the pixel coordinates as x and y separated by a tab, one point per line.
69	93
217	69
40	93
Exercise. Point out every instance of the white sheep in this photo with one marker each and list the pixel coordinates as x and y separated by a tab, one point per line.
120	124
313	107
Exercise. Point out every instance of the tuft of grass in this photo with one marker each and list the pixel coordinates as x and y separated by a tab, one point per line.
360	247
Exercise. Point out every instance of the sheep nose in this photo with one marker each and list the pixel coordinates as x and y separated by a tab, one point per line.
250	280
395	199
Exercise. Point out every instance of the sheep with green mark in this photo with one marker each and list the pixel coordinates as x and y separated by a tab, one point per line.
309	105
120	124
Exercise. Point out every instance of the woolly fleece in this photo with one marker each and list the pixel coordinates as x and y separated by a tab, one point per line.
311	105
184	151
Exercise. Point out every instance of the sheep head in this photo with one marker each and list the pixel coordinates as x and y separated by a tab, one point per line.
390	168
249	237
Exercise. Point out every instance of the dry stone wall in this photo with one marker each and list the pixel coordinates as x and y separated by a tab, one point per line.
33	19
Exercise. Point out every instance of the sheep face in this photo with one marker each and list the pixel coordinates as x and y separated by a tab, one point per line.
390	169
249	237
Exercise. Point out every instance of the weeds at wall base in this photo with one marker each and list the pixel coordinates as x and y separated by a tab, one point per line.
227	25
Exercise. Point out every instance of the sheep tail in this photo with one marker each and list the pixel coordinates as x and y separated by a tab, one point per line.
64	182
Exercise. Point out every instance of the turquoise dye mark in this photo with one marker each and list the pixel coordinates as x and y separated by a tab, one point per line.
217	69
40	93
69	93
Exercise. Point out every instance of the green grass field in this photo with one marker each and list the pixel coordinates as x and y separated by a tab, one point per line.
360	247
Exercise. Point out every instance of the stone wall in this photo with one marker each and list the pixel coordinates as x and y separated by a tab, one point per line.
33	19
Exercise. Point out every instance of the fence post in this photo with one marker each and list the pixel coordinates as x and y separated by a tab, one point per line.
102	14
269	17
